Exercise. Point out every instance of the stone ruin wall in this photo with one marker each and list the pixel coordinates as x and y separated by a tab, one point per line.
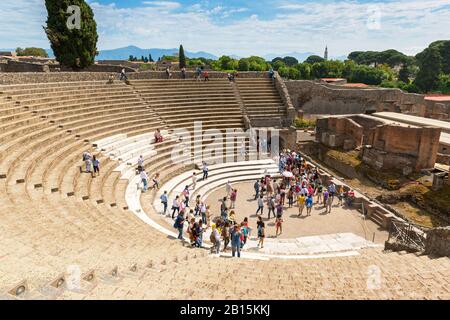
339	132
317	98
47	77
392	146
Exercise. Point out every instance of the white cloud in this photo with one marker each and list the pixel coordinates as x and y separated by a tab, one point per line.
407	26
168	5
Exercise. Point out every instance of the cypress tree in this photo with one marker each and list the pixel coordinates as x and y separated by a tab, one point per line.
73	47
182	57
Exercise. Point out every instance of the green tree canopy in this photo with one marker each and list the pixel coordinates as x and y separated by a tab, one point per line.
430	68
290	61
444	51
35	52
278	64
244	65
73	47
313	59
390	57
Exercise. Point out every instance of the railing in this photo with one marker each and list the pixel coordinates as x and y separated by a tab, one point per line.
407	234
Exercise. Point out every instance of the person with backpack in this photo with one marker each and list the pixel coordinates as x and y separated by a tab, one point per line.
179	224
244	237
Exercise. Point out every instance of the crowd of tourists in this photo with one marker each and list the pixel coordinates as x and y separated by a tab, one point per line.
300	186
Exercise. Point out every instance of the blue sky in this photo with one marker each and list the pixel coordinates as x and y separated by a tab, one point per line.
246	27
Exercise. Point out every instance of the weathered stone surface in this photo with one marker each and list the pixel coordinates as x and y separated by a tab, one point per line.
438	242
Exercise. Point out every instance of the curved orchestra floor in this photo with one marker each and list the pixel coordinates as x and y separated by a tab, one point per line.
340	220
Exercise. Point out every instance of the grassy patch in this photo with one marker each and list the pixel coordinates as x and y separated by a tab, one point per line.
418	215
390	179
304	123
347	157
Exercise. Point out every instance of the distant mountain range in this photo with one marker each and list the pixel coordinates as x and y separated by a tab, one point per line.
125	52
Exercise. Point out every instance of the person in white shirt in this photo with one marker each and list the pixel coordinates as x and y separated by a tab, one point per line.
228	188
205	170
141	164
144	179
203	209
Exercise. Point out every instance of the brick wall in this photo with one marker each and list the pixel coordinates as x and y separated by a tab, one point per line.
318	98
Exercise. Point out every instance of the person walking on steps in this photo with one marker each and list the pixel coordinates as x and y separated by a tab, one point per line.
179	224
164	199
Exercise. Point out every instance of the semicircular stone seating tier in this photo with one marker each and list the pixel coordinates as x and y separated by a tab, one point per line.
55	216
219	174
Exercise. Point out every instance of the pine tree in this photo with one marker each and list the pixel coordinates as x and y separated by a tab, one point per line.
182	58
430	68
75	48
150	58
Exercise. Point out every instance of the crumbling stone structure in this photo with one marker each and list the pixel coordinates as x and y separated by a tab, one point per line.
314	98
384	145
